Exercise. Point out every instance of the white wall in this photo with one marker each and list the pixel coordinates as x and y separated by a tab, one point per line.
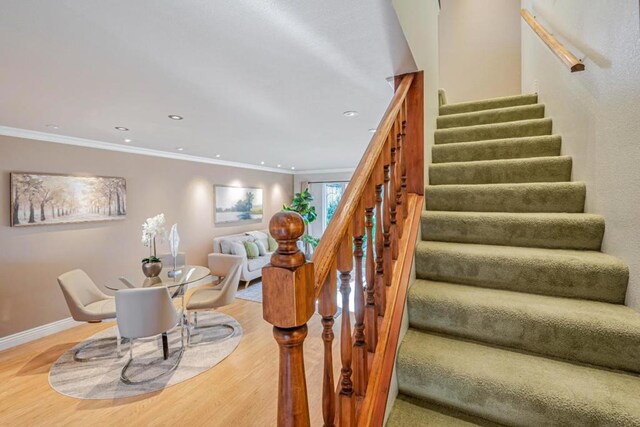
419	21
299	178
596	111
479	44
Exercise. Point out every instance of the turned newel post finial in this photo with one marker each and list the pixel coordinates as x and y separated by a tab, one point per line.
288	296
287	227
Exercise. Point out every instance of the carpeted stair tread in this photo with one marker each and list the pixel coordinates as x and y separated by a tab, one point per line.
540	230
528	197
488	104
558	272
498	115
586	331
521	128
509	148
514	388
408	411
538	169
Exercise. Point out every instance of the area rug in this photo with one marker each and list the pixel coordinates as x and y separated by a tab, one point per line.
251	293
100	379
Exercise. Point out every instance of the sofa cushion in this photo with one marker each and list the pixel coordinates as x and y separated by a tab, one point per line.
237	248
226	242
257	263
261	247
273	244
252	249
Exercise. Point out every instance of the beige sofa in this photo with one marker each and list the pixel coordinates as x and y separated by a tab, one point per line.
251	268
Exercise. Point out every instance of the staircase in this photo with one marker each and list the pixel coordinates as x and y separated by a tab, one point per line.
516	317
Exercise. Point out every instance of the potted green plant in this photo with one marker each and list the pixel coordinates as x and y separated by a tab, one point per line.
301	204
152	228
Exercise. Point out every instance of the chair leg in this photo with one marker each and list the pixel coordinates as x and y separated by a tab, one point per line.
78	358
125	379
227	326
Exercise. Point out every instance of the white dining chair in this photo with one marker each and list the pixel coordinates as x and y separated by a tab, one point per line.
88	304
214	296
145	312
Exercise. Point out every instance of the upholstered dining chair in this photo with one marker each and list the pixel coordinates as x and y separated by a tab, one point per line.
216	295
145	312
87	304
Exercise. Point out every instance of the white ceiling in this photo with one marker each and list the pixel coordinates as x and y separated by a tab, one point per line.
256	80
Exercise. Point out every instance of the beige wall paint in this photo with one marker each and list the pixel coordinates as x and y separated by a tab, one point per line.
597	111
32	257
479	44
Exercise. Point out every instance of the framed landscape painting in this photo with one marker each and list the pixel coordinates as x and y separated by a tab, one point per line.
40	199
234	205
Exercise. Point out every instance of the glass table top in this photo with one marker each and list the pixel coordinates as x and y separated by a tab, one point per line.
183	275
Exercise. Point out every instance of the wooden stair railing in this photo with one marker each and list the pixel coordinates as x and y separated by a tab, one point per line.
569	59
373	230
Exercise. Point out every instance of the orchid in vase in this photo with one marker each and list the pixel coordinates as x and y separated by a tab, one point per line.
151	229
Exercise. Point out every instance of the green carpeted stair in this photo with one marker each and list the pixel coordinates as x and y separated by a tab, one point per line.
516	317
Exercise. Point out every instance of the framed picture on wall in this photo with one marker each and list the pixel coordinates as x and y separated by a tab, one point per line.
234	205
43	199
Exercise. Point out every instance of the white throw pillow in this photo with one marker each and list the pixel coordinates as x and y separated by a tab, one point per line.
261	248
237	248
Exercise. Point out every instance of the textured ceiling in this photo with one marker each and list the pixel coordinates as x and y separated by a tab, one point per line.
255	80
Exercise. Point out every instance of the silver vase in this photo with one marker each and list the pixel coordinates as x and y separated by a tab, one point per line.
151	269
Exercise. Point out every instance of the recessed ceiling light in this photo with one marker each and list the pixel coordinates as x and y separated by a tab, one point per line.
373	130
52	126
123	129
350	113
293	167
217	156
128	140
175	117
279	165
262	163
179	149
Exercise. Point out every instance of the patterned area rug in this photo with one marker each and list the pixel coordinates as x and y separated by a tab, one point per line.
100	379
252	293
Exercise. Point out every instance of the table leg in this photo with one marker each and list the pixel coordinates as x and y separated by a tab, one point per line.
165	346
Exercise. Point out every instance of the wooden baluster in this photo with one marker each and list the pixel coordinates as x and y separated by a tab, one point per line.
327	307
371	318
346	398
403	178
399	160
383	222
360	366
387	253
393	176
288	303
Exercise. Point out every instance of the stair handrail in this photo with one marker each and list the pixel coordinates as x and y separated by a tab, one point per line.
568	58
339	223
391	170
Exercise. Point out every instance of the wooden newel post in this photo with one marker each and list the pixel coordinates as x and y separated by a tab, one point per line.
288	303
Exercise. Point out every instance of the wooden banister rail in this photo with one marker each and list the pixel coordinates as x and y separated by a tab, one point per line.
568	58
369	246
342	216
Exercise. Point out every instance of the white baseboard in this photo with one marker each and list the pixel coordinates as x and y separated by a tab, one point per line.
37	332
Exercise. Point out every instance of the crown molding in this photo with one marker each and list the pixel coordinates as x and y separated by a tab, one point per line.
90	143
315	171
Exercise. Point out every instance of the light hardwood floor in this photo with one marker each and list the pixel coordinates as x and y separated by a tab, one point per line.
239	391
